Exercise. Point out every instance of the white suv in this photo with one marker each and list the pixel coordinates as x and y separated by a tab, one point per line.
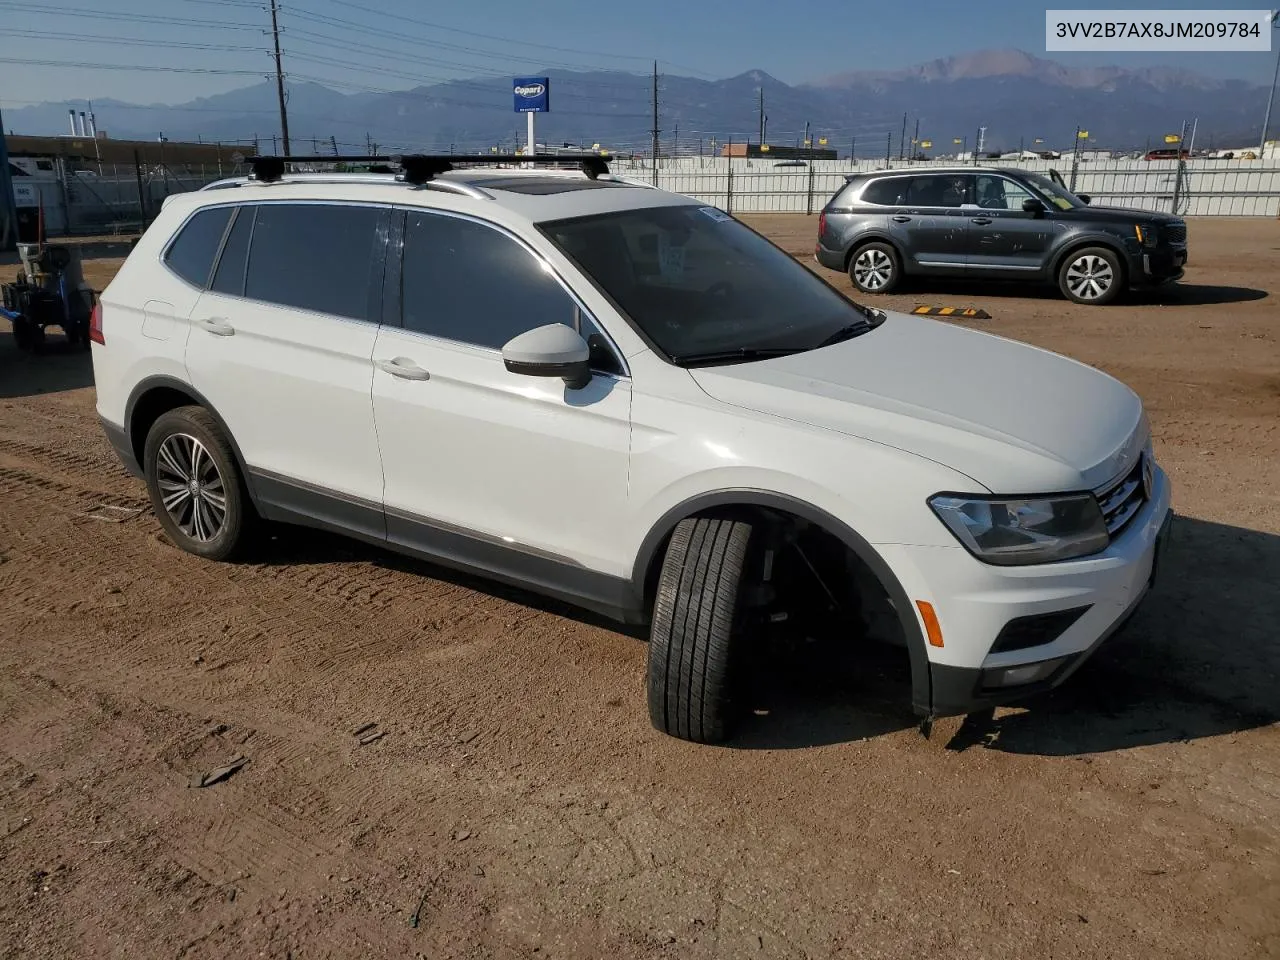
627	399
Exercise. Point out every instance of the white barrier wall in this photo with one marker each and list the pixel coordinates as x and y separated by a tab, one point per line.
1239	188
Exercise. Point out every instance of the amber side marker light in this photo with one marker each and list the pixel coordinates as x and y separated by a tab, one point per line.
931	627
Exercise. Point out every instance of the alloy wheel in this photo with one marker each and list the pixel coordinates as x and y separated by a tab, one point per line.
191	487
872	269
1089	277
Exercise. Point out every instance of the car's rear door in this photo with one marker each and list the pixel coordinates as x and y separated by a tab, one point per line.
280	346
520	476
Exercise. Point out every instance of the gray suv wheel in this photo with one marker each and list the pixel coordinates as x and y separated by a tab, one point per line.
1091	275
874	268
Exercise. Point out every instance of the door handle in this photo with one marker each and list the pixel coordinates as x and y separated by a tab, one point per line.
402	367
218	326
901	219
981	220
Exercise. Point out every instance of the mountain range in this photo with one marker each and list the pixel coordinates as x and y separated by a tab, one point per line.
1017	97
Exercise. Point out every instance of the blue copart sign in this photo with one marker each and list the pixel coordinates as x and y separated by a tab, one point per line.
532	94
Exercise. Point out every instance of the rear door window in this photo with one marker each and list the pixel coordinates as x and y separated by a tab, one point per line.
191	255
938	190
326	258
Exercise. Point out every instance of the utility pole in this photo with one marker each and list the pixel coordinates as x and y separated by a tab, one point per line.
655	123
1266	119
915	139
8	209
284	115
333	142
902	143
675	140
762	114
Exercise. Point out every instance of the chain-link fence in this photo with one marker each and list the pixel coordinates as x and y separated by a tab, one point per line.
107	198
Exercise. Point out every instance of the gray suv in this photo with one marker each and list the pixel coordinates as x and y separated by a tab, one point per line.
993	223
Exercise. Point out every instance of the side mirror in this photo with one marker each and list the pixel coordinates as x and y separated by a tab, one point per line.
1032	205
553	350
1084	197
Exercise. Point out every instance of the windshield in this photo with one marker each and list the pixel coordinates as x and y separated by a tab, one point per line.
1058	195
703	287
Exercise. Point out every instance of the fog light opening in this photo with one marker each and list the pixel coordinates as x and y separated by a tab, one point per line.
1022	674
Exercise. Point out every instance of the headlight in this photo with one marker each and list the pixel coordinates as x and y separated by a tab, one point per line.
1016	532
1148	236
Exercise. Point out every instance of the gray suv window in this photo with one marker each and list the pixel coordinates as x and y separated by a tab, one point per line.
327	258
890	191
191	255
999	193
938	190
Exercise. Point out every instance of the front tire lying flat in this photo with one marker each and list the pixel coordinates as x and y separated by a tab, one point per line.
692	648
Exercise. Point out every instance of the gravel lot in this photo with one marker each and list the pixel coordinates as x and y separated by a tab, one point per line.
520	804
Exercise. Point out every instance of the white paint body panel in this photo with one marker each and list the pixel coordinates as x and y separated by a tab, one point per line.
294	388
517	459
864	431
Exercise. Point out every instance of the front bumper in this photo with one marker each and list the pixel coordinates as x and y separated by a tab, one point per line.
1158	266
974	602
963	690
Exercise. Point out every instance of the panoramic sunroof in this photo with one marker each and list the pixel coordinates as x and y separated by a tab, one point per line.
540	186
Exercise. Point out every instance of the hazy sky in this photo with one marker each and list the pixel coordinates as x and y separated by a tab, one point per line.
403	43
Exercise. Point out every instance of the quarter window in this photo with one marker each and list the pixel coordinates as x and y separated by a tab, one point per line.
473	284
191	255
890	191
327	258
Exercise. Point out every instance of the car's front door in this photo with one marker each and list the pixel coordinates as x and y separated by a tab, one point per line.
521	476
280	347
1002	236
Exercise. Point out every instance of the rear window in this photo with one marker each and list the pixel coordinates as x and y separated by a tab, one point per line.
191	255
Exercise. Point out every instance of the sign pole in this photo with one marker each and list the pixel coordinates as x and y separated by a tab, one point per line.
531	95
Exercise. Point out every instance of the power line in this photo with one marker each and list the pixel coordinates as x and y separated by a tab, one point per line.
294	35
129	17
130	41
81	65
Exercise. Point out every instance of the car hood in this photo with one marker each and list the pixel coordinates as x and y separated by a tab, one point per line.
1094	214
1013	418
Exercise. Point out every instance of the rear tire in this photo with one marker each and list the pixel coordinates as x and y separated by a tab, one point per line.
693	651
1091	276
875	268
196	488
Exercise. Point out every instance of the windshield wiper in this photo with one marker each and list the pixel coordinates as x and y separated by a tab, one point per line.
734	356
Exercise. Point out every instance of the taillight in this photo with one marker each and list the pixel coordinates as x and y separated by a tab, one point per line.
822	223
95	325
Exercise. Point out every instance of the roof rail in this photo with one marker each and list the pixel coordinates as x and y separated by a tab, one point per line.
419	168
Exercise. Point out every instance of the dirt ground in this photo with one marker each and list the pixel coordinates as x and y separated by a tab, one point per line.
519	804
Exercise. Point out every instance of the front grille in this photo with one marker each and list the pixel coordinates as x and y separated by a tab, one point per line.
1175	233
1121	501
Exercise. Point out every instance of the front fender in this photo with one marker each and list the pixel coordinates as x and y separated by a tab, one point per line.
909	617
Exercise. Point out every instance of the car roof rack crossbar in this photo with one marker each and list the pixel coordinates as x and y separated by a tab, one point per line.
420	168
